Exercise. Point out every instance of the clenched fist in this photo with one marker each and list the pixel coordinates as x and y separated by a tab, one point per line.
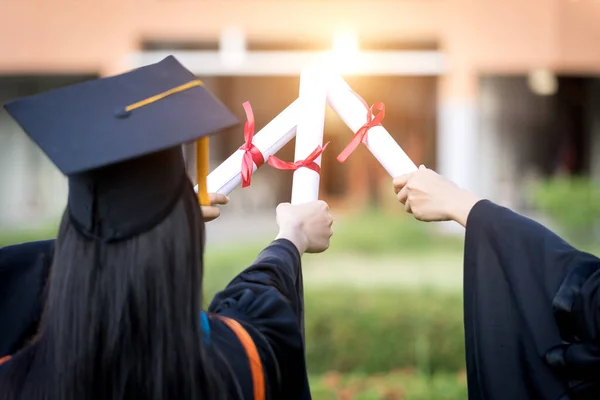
308	226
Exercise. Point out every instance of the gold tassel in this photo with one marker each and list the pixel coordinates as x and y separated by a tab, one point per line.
202	162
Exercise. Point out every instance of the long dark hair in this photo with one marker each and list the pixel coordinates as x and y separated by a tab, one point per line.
126	327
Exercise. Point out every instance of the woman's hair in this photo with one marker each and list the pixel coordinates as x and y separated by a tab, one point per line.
122	320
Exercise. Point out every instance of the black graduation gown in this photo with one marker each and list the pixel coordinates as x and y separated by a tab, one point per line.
266	299
23	272
531	311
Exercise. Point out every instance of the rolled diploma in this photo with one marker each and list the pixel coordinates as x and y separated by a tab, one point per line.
379	142
309	133
269	140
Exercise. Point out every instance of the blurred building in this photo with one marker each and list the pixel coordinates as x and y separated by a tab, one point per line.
490	93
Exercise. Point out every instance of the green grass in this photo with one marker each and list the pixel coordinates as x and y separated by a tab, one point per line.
15	236
222	265
375	232
433	269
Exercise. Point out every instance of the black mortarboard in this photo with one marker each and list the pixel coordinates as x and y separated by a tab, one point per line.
118	140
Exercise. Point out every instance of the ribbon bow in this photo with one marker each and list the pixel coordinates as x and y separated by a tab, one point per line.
361	135
308	162
251	153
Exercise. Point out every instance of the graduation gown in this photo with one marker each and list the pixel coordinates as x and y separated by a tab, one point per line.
266	299
531	312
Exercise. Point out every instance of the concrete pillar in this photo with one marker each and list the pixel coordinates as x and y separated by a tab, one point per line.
594	120
489	140
457	147
498	135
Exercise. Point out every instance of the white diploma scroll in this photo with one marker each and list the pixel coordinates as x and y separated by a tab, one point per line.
269	140
380	143
309	133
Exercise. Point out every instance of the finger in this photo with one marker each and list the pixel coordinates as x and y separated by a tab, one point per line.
407	207
422	167
401	181
217	198
210	213
403	195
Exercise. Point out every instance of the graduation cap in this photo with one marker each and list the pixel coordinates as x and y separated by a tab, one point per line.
118	140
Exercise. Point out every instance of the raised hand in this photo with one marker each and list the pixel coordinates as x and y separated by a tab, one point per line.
430	197
308	226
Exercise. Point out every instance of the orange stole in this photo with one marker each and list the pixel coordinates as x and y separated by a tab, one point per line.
258	378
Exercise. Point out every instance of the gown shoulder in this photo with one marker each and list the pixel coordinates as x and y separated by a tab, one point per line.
24	269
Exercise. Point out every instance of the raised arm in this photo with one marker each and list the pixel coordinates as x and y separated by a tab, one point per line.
302	228
530	303
267	297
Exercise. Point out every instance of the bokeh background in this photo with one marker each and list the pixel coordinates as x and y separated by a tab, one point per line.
503	97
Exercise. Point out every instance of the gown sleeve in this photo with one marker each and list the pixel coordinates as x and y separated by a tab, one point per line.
523	290
267	298
24	270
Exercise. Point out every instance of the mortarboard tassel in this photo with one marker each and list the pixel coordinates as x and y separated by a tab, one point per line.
202	162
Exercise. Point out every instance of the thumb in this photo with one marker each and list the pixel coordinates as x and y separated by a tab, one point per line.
422	167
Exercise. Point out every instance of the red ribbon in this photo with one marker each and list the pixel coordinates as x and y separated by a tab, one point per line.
308	162
251	153
361	135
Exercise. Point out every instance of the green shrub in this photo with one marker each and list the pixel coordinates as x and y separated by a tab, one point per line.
372	331
572	203
367	330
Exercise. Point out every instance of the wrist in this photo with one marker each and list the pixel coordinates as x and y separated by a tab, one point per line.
296	236
461	206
